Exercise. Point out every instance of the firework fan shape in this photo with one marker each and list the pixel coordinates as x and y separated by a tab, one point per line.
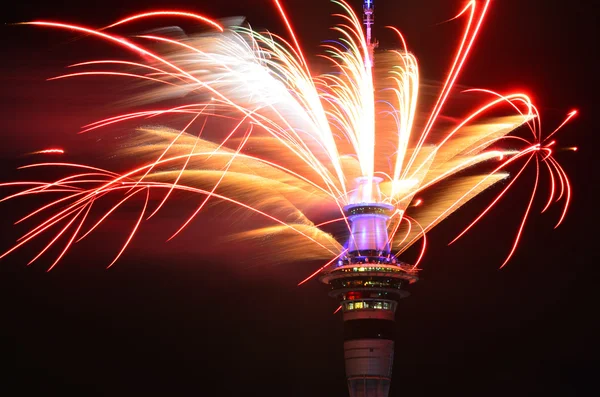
265	133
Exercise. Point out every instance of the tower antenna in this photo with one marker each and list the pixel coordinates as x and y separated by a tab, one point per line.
369	20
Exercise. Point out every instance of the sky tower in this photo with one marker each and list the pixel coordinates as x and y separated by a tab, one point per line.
367	279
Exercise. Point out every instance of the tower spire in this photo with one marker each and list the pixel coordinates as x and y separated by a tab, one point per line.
368	281
369	20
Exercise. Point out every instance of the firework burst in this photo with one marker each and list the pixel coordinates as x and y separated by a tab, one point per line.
264	132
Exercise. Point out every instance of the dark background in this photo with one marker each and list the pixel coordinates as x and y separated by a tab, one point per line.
187	324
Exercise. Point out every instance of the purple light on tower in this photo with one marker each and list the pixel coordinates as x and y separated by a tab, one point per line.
368	217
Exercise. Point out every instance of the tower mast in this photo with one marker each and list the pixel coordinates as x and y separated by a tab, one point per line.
369	20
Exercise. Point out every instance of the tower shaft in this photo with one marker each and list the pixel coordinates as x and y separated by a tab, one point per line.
369	288
369	20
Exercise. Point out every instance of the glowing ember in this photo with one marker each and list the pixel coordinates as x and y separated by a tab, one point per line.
49	151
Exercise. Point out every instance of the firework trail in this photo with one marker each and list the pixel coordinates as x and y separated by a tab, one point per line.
267	134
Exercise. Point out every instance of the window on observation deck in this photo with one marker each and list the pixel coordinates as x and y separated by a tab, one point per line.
368	304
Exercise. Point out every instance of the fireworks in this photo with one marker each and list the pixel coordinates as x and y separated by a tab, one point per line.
264	132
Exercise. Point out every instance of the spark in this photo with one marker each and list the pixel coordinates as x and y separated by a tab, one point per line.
49	151
167	13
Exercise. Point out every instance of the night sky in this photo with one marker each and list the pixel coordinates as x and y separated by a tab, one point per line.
165	322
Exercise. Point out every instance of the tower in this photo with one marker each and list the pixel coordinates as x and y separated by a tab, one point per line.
368	282
367	279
